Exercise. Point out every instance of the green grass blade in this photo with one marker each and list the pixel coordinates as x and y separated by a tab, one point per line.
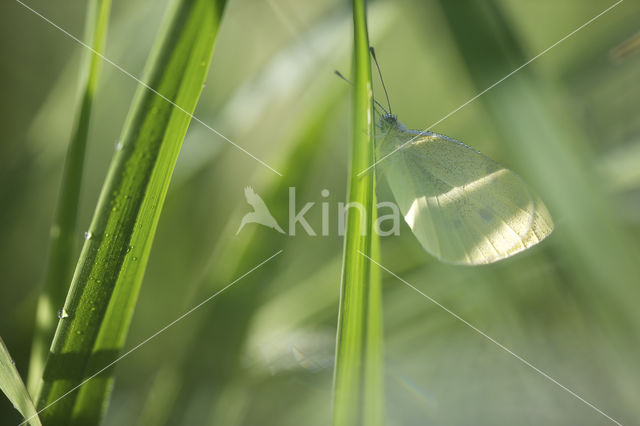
107	279
13	387
358	391
59	268
373	412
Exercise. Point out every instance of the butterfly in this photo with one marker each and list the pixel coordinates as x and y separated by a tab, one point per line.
463	207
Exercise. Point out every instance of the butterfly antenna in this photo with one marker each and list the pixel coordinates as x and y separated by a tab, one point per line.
375	60
339	74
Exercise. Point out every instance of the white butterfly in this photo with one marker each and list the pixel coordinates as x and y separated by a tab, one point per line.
463	207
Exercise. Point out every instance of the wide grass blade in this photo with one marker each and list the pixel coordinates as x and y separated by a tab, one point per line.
358	390
104	290
59	268
13	387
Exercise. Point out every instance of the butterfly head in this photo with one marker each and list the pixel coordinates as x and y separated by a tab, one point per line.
388	121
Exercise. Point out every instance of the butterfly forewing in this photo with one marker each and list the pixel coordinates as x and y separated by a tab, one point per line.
462	206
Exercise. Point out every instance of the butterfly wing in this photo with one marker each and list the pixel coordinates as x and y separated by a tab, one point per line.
463	207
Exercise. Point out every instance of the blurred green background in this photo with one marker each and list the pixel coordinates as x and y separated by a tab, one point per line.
262	352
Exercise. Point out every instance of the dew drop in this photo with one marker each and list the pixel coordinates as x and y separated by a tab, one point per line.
135	258
88	235
78	332
119	145
129	248
62	314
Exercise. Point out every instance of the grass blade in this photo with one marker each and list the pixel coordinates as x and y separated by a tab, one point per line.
358	391
13	387
59	268
107	279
